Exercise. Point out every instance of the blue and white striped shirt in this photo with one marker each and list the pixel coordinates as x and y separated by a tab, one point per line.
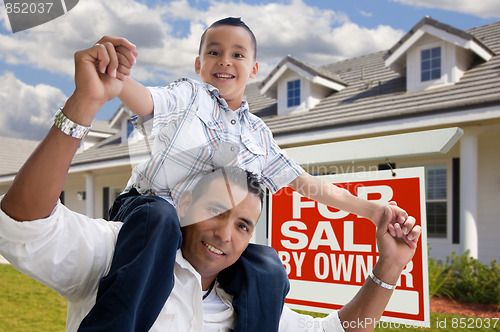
195	132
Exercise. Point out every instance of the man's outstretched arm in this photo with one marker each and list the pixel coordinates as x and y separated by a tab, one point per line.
99	76
395	251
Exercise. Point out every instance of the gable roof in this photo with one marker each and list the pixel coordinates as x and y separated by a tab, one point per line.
376	93
396	58
315	75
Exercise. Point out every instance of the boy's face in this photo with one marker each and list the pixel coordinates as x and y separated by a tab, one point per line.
219	223
226	61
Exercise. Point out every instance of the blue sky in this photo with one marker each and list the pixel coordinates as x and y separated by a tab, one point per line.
36	65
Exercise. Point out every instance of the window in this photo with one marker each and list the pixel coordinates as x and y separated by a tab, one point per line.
436	201
431	64
293	93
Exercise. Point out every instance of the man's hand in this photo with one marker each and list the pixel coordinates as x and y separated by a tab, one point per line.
399	224
395	251
396	241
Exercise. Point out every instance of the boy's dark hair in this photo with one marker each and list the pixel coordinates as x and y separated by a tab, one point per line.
231	175
232	21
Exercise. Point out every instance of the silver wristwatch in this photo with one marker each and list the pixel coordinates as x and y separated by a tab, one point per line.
69	127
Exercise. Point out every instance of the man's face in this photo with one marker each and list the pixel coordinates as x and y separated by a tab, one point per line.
226	61
220	225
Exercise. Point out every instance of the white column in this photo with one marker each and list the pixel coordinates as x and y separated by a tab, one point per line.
89	189
468	194
124	130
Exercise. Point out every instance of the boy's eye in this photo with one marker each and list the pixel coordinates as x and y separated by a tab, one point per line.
214	211
238	55
213	53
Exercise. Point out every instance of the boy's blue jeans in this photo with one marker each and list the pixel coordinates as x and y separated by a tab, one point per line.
141	277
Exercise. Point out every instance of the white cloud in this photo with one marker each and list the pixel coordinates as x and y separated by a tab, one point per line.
26	111
481	8
314	35
308	33
365	13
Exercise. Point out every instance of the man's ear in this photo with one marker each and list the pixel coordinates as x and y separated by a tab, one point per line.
184	203
255	70
197	65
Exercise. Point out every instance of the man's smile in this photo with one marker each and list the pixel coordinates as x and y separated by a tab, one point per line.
213	249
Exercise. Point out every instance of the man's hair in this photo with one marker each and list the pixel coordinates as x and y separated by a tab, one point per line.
231	175
232	21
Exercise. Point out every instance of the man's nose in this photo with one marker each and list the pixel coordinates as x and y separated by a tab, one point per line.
223	230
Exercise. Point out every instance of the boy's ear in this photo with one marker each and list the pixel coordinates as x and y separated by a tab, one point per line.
197	65
184	203
255	70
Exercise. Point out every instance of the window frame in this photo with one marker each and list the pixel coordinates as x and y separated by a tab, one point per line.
448	200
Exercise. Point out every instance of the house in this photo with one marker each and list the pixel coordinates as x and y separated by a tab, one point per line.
432	100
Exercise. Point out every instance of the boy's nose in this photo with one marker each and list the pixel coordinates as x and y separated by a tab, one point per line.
224	61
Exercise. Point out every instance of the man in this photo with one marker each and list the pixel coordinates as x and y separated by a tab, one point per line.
75	274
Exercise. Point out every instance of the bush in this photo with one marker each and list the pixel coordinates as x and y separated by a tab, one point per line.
465	278
439	274
472	281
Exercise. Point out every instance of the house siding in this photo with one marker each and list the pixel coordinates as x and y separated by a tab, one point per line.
489	196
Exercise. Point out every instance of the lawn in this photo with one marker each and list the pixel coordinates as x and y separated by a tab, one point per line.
28	306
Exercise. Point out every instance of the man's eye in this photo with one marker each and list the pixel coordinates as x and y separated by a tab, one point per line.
244	227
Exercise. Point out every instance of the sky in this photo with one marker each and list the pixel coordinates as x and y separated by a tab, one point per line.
36	65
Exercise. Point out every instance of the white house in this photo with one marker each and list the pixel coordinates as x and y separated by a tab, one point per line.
432	100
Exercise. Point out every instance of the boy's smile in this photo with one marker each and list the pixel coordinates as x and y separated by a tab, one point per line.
226	61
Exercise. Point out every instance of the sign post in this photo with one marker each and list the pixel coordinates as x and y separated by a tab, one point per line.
329	253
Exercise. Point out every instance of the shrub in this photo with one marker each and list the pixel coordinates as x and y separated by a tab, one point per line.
470	280
439	274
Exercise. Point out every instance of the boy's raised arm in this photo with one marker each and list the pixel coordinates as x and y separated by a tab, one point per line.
99	77
326	193
137	98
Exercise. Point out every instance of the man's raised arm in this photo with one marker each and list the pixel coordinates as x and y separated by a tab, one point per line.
99	75
395	251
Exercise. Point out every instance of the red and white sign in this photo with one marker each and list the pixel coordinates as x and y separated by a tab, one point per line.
328	253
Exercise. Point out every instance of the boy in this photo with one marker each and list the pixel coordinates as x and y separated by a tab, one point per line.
209	126
200	127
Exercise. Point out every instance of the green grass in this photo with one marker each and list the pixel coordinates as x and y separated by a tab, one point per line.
28	306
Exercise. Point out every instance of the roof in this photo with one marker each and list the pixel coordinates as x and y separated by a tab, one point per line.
270	81
111	152
17	150
397	55
376	93
440	26
103	126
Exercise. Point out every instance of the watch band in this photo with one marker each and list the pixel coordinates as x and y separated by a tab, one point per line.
69	127
381	283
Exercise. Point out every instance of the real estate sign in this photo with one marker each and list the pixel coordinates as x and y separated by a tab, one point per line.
329	253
